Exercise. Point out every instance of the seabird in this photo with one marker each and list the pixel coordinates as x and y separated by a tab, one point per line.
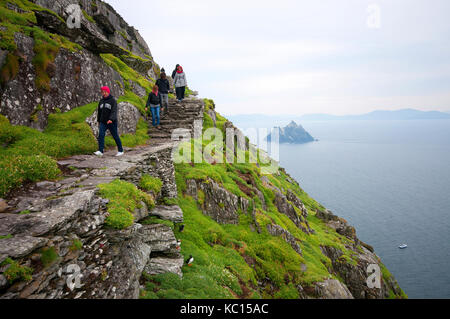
181	228
190	261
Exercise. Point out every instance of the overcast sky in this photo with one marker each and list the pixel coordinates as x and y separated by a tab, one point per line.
300	57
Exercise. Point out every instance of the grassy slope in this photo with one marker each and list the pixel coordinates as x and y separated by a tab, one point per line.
28	155
230	260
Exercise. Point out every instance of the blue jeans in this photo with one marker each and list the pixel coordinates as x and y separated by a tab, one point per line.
155	114
114	132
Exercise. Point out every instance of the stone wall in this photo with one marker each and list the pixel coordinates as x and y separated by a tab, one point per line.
110	262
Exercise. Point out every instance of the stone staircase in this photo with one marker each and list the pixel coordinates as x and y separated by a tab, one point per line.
56	214
181	116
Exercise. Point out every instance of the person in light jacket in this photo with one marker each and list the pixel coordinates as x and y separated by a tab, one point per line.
180	83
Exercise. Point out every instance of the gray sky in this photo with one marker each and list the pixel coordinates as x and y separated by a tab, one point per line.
299	57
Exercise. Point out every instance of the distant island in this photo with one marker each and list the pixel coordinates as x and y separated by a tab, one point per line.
292	134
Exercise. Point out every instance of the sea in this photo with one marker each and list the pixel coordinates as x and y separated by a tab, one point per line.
391	181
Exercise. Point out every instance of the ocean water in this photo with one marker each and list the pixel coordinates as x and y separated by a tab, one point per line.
391	181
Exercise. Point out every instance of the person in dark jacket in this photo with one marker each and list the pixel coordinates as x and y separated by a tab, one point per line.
154	102
107	114
164	88
175	71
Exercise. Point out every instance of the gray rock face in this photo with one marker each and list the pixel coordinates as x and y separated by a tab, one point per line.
133	253
171	213
128	117
284	207
109	27
332	289
160	238
18	247
76	81
162	265
276	230
339	224
219	204
355	276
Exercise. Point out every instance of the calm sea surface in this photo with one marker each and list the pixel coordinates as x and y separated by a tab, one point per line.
391	180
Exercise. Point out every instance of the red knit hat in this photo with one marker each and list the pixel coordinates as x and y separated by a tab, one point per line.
105	88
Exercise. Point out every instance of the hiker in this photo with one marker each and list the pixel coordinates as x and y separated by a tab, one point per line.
154	102
164	88
175	71
107	118
180	83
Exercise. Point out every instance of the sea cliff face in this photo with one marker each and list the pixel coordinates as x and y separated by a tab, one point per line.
75	226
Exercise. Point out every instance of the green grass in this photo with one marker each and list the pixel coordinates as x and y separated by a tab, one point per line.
76	245
155	220
48	256
124	199
15	272
150	184
28	155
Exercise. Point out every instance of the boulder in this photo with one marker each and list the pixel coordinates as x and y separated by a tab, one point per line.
171	213
18	247
128	117
160	238
162	265
332	289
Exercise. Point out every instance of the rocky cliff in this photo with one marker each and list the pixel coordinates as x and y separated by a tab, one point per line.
292	134
77	226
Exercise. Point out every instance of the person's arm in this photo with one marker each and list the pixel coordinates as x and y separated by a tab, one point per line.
98	112
113	114
148	102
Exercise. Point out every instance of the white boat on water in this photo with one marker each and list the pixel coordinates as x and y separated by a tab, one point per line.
403	246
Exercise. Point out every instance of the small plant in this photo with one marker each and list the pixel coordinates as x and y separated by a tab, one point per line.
76	245
15	272
6	237
149	183
25	212
48	256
